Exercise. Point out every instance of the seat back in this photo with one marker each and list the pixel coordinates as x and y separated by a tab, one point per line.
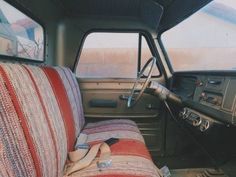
40	117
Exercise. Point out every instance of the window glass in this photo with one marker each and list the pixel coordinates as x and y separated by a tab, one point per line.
20	36
206	40
146	54
111	55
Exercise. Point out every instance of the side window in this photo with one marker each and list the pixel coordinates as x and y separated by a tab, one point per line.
20	36
111	55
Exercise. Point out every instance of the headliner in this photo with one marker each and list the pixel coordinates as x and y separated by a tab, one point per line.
174	11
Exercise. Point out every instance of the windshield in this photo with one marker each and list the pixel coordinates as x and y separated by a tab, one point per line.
204	41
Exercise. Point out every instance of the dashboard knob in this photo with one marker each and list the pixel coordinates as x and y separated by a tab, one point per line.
203	96
204	126
184	113
199	83
197	121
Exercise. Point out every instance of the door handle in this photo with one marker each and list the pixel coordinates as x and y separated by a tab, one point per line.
212	82
124	97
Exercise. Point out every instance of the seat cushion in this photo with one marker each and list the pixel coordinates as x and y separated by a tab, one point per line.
115	128
130	158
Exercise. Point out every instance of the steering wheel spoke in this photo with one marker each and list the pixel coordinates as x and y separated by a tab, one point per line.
136	93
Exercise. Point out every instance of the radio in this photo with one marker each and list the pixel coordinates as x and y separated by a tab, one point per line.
211	98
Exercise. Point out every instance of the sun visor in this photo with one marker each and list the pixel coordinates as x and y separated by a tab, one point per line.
151	13
178	11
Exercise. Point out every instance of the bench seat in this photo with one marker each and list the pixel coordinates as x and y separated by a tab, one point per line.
41	115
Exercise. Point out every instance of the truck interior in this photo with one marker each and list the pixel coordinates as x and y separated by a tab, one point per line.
158	76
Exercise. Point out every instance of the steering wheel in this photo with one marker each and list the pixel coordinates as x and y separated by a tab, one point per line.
132	98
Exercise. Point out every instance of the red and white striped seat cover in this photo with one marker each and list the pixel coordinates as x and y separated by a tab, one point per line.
41	115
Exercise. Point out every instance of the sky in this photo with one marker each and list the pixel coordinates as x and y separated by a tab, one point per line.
231	3
10	12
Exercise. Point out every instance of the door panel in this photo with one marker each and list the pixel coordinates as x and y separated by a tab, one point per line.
111	91
146	113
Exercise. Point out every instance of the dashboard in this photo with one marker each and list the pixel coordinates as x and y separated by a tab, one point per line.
207	98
